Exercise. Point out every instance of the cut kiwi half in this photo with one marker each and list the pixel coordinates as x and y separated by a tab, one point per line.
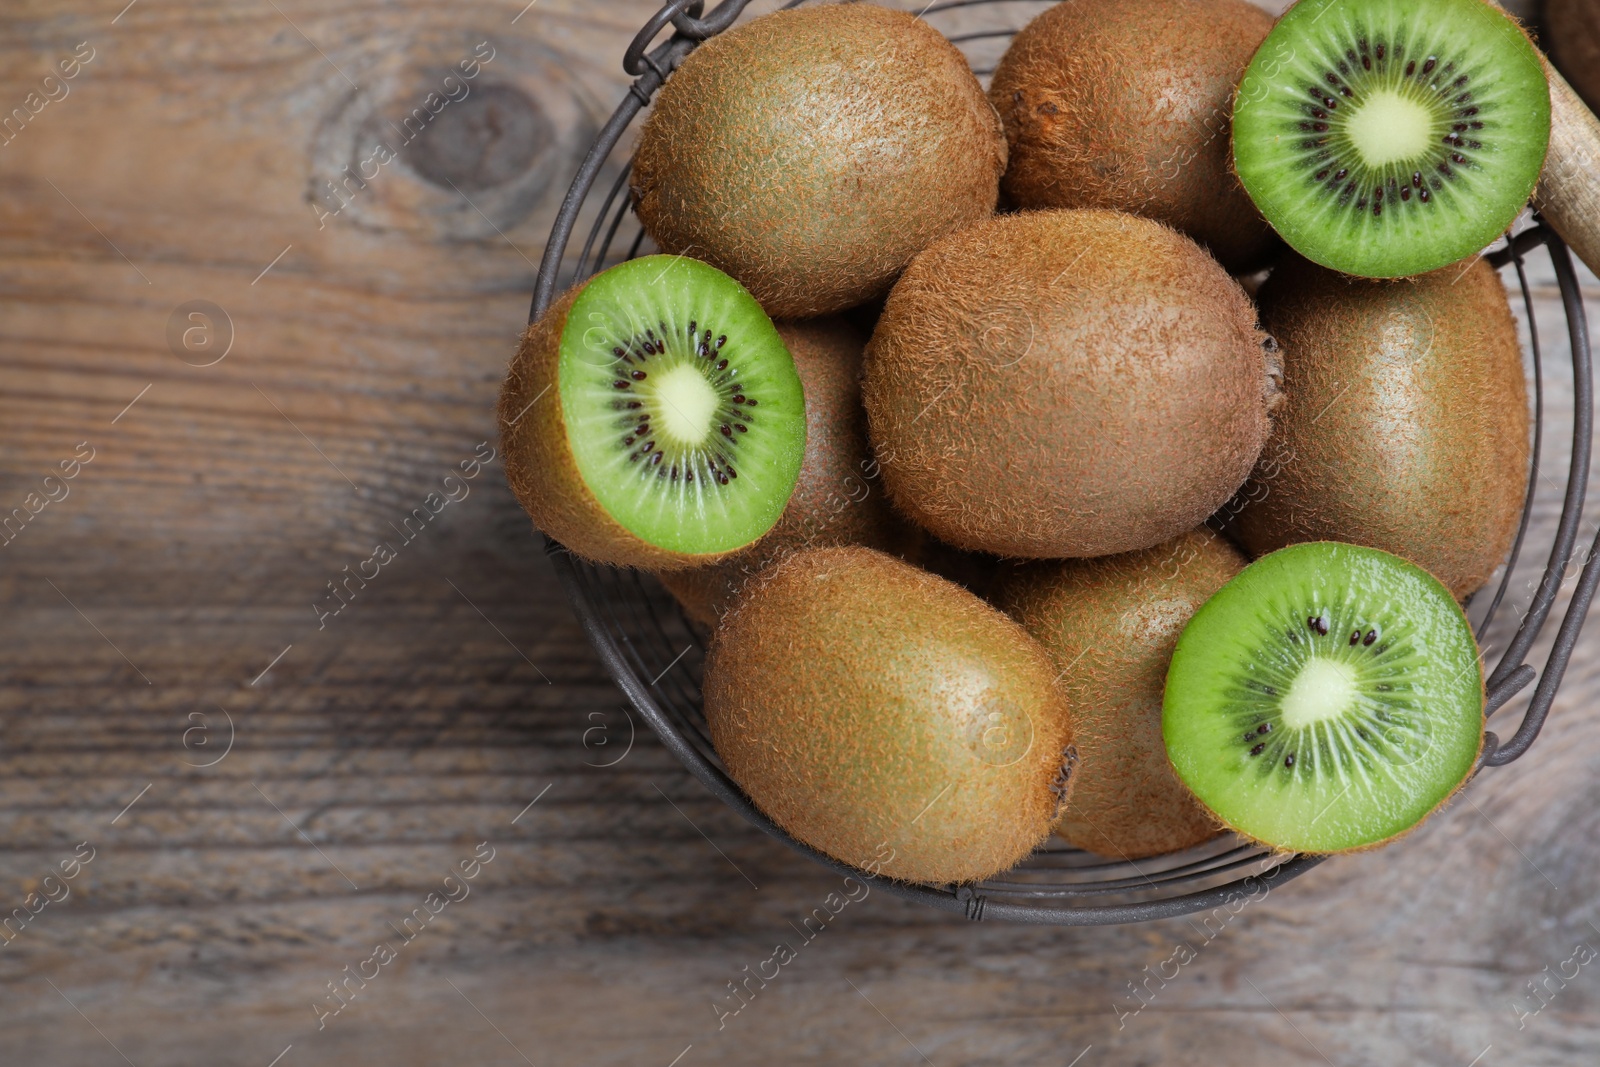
674	427
1386	138
1327	699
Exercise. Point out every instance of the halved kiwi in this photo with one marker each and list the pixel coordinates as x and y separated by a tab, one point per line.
653	417
1327	699
1385	138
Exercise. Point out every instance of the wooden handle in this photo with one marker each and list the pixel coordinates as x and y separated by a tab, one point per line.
1569	191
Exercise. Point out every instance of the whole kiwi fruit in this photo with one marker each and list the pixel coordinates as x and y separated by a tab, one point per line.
1406	422
887	717
839	497
1065	383
1573	31
1111	625
811	153
1126	106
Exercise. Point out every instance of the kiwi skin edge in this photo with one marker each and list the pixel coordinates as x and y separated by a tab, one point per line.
540	466
1406	422
1111	625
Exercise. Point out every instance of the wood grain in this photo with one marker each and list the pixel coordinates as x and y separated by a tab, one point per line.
456	688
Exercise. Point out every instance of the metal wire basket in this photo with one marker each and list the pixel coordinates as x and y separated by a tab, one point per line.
655	657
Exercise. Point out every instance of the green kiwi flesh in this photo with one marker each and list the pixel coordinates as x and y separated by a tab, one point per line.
653	417
1111	625
1406	423
1386	138
1055	384
887	717
811	152
838	498
1125	106
1328	699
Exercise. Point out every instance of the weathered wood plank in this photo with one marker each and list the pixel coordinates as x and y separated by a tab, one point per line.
423	718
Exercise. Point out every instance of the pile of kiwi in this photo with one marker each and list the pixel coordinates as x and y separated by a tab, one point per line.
1011	498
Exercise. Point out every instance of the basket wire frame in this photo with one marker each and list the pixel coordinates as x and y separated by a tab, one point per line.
655	658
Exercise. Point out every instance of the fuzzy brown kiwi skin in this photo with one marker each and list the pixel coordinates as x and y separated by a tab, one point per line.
1111	624
1405	426
810	153
540	466
1127	106
1574	36
849	695
1065	383
838	499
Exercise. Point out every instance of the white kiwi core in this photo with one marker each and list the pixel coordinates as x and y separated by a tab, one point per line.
687	402
1390	127
1324	689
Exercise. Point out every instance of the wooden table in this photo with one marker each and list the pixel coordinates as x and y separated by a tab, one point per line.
164	607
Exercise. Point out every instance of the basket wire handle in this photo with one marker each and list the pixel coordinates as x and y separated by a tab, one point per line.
684	15
1495	753
637	59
